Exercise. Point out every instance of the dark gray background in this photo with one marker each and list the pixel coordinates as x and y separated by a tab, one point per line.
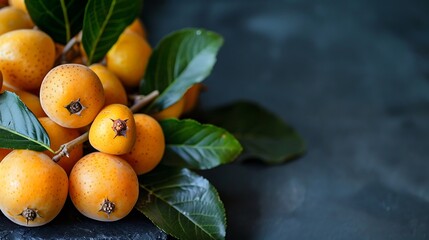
351	76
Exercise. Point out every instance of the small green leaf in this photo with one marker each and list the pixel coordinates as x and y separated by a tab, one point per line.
263	134
60	19
197	146
103	23
182	203
180	60
19	128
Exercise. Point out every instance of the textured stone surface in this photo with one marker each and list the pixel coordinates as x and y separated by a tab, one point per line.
70	224
352	77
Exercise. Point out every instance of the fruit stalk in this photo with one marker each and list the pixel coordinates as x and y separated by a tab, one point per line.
139	103
66	49
67	147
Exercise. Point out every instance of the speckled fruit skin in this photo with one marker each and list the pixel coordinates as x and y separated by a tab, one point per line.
12	18
114	91
71	82
149	148
104	138
60	135
128	58
100	176
26	55
30	179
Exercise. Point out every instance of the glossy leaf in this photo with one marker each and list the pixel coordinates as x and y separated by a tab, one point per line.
60	19
180	60
197	146
263	134
19	128
103	23
182	203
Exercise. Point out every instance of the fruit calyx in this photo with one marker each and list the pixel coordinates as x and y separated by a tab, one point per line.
75	107
107	206
29	214
120	127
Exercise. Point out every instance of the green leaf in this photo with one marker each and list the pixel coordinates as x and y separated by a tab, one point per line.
182	203
103	23
60	19
19	128
263	134
180	60
197	146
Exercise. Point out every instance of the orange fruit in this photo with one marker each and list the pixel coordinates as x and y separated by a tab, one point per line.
114	91
26	55
71	95
30	100
20	4
128	58
173	111
149	148
113	130
12	18
191	97
33	188
103	187
137	27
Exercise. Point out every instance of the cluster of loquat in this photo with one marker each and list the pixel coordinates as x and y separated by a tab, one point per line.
74	101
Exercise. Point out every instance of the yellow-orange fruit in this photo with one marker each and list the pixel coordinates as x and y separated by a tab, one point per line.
149	148
33	188
60	135
20	4
1	80
114	91
103	187
113	130
191	97
173	111
4	152
71	95
128	58
12	18
30	100
137	27
26	55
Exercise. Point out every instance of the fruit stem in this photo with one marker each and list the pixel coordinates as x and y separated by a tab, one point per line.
66	49
67	147
141	101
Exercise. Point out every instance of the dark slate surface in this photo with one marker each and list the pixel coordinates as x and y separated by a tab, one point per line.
70	224
352	77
